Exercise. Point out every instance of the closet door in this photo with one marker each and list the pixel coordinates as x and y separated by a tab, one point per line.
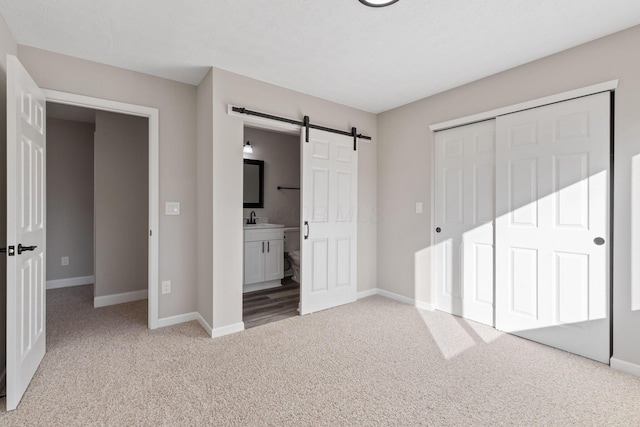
464	215
552	230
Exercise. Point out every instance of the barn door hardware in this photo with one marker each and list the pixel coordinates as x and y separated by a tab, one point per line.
304	123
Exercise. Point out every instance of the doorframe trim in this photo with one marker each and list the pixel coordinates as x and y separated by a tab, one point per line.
152	115
527	105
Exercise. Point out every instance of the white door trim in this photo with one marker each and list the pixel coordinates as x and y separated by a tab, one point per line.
552	99
154	167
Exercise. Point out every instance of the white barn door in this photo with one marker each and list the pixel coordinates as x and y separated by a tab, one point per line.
552	229
26	233
464	214
329	221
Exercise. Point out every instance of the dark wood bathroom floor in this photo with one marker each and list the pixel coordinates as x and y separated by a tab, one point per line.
271	305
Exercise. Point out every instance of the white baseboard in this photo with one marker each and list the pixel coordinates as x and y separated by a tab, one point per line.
188	317
400	298
205	325
119	298
367	293
628	367
226	330
175	320
425	305
71	281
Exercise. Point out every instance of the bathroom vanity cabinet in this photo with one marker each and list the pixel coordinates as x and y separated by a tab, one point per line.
263	257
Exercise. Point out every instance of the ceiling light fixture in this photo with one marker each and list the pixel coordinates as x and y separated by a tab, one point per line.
378	3
247	148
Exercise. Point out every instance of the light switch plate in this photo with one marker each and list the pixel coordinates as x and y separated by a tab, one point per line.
172	208
418	207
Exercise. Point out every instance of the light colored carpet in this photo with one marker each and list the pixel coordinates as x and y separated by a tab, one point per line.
374	362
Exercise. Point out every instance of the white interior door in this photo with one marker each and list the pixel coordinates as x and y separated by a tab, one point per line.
552	232
464	215
329	215
26	304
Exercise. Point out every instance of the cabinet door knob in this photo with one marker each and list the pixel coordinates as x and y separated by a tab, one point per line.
438	229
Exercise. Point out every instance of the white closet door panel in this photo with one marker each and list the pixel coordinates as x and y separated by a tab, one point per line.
552	169
464	205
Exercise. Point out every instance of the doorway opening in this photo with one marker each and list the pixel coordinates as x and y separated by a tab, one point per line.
271	221
141	165
97	203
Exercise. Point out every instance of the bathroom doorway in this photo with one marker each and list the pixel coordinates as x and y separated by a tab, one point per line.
271	218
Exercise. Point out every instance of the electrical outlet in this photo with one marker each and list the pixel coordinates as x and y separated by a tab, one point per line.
64	260
418	207
166	287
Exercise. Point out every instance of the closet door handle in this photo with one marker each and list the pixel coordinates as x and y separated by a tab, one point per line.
306	225
25	248
262	247
268	246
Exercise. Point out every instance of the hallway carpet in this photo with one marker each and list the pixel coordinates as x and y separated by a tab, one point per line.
374	362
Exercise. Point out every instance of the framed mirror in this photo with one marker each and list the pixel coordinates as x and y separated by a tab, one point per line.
253	183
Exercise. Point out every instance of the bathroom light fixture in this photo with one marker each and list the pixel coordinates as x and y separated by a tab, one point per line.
247	148
378	3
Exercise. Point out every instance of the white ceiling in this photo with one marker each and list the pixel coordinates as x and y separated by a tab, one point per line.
374	59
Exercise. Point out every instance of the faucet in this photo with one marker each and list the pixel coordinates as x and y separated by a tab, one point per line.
252	218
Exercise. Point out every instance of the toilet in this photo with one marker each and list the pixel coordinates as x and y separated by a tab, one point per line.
294	258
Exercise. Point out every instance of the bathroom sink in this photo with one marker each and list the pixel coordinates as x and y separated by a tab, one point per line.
259	226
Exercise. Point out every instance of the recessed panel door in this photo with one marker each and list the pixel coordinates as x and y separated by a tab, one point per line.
552	230
26	232
254	260
274	260
329	221
464	214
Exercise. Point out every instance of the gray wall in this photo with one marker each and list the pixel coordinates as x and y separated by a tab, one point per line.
7	46
205	198
69	198
121	203
405	152
176	103
281	155
226	186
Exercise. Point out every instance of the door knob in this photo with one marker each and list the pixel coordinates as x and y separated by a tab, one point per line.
598	241
438	229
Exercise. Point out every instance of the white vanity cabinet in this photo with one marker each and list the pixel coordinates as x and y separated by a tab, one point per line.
263	258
